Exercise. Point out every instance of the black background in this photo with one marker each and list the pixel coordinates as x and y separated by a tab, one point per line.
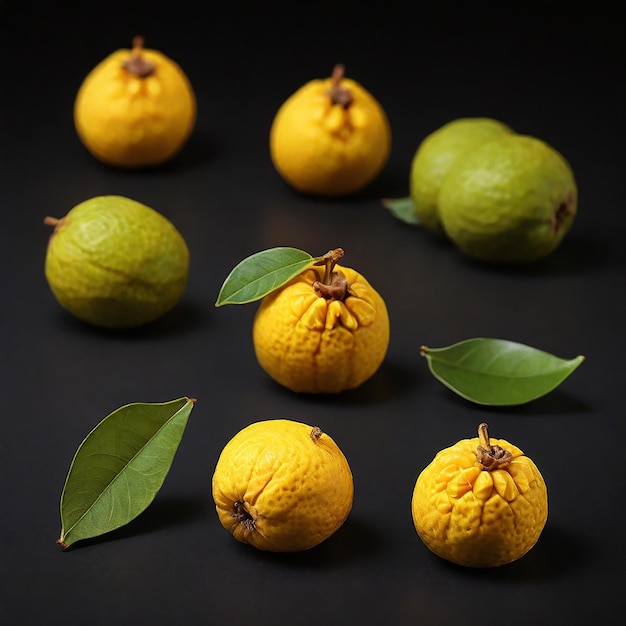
549	69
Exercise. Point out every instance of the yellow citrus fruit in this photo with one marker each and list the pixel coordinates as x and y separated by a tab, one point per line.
116	263
324	331
136	108
331	137
282	486
480	502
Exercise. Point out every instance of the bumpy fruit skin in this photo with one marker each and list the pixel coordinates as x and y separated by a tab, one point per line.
116	263
134	121
510	201
437	153
324	148
282	486
312	344
475	517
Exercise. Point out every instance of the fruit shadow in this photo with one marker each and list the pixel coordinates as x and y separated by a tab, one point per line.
559	552
186	317
199	150
578	253
163	513
392	380
353	541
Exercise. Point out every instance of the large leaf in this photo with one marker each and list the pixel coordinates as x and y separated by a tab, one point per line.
119	467
262	273
402	209
497	371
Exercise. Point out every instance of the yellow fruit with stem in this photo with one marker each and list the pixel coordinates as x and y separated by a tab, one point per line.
480	503
325	331
282	486
331	137
136	108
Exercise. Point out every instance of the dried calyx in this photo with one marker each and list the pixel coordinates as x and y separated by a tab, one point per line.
338	93
136	63
243	516
334	285
490	457
563	211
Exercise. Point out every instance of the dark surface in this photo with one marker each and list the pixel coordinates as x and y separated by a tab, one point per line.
549	69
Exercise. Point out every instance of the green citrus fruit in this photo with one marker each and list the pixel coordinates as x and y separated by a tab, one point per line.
437	153
116	263
511	200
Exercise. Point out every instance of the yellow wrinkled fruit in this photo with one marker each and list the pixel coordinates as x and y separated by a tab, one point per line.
322	335
135	109
331	137
282	486
480	503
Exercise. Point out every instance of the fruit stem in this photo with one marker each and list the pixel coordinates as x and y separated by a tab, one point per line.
488	456
50	221
338	93
334	285
329	260
316	433
136	63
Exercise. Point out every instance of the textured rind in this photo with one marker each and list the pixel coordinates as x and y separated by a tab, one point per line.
498	204
131	121
437	153
114	262
474	517
325	149
298	490
310	344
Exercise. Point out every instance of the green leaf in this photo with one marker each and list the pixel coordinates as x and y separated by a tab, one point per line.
403	209
497	371
260	274
119	467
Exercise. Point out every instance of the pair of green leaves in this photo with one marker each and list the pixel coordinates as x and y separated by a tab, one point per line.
119	468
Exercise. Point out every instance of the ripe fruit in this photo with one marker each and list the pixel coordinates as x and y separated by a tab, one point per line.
324	331
135	108
116	263
511	200
331	137
282	486
437	153
480	503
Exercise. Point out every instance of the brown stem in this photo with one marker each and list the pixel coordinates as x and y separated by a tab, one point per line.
136	63
51	221
334	285
329	260
316	433
338	93
488	456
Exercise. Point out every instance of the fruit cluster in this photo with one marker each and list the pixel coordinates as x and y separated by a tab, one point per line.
280	485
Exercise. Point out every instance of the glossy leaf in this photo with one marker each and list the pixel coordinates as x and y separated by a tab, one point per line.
497	371
261	273
119	467
402	208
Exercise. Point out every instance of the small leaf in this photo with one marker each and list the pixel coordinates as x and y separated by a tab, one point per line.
497	371
260	274
119	467
403	209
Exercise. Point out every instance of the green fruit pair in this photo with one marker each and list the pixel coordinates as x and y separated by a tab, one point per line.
499	196
116	263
